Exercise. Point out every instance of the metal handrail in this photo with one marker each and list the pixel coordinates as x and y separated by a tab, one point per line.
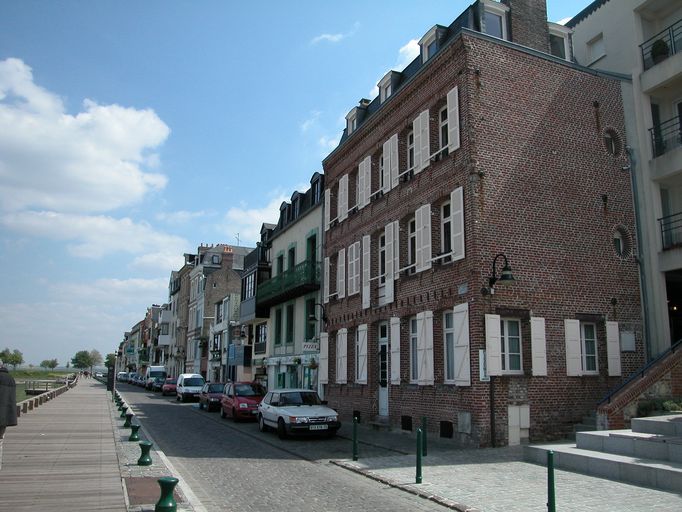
641	372
666	136
671	41
671	230
307	272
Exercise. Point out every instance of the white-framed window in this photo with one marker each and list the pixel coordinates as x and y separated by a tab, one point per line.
410	149
495	17
449	345
443	127
446	231
354	268
385	92
428	44
382	259
414	337
559	41
361	354
412	245
595	49
588	347
510	345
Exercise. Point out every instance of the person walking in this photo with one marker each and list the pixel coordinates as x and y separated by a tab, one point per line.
8	403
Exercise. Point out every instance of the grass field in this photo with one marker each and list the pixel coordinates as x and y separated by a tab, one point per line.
34	374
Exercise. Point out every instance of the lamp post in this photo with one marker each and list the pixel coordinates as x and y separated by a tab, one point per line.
505	277
312	317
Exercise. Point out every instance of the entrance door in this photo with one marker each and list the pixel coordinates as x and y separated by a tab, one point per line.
383	369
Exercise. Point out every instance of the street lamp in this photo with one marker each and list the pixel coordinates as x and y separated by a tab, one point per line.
313	318
505	277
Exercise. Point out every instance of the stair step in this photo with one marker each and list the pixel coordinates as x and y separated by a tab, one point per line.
635	470
633	444
381	423
668	425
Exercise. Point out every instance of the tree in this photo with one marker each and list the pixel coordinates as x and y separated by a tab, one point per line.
95	358
110	360
15	358
49	363
82	360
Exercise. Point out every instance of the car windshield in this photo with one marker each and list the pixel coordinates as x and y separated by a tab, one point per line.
249	390
299	398
215	388
160	375
171	381
194	381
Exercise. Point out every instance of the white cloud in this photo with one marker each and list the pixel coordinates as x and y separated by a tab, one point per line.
181	216
95	236
335	38
329	143
93	161
248	221
564	20
115	292
407	53
310	122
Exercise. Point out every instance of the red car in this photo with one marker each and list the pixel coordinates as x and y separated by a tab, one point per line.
240	400
168	387
210	396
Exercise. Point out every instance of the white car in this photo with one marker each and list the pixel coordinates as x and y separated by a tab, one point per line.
189	386
296	411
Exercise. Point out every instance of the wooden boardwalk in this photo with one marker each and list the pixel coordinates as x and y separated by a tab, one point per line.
62	456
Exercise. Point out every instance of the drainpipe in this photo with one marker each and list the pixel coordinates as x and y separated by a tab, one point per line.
642	276
492	411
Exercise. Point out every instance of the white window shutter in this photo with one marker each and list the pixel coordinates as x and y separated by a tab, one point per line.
368	179
613	348
323	372
417	132
341	356
453	119
395	169
351	270
362	354
386	173
389	284
396	249
493	347
428	348
341	275
421	338
573	353
366	247
538	346
327	268
424	238
425	140
343	198
362	201
327	208
457	223
461	334
418	228
395	350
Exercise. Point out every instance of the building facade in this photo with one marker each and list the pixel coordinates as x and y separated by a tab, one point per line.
479	232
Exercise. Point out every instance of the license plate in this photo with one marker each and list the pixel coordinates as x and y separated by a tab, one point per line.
318	427
254	412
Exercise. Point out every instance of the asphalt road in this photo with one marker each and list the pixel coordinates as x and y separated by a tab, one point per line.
232	466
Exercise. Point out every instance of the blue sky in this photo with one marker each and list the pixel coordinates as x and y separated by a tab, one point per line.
131	132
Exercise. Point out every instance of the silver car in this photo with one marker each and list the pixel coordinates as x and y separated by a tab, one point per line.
296	411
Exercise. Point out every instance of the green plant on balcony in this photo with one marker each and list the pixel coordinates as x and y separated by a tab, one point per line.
297	360
659	51
312	364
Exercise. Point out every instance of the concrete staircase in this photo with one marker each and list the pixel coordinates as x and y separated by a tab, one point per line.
649	455
588	423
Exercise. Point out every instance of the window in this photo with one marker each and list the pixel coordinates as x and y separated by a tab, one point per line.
493	25
510	345
449	344
215	259
164	328
557	46
316	191
310	319
412	245
297	207
445	231
612	142
280	264
410	150
290	324
622	242
443	127
291	258
382	259
414	369
381	173
278	326
431	49
588	346
354	268
385	92
262	333
595	49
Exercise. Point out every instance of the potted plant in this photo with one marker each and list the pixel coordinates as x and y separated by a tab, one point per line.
297	360
312	364
659	51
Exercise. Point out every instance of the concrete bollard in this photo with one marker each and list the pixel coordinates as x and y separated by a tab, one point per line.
24	407
134	436
166	502
18	411
129	417
145	459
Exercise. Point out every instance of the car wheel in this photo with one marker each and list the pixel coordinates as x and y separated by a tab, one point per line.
222	412
261	424
281	429
177	398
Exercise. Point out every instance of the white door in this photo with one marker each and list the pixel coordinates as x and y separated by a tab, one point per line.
383	369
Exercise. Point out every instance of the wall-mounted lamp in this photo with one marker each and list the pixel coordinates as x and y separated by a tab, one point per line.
313	318
505	277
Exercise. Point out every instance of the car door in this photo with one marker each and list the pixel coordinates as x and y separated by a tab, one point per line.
269	412
229	389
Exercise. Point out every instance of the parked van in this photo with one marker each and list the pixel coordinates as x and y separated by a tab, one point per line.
189	386
152	373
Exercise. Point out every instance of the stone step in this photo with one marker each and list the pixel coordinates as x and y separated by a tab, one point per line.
381	423
668	425
647	472
633	444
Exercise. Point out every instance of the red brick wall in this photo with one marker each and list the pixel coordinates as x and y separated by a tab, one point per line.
529	23
534	169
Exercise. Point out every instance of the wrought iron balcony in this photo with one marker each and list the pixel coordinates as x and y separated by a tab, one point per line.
302	279
666	136
664	44
671	231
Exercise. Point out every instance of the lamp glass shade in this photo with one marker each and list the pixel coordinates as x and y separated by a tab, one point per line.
506	276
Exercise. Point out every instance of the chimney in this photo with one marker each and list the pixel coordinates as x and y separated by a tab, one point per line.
529	23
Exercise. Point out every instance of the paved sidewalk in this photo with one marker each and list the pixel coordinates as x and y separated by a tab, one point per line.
494	479
62	456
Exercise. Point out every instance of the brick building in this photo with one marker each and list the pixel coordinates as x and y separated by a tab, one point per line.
491	159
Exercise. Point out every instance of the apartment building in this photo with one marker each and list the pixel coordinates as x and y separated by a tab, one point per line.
479	264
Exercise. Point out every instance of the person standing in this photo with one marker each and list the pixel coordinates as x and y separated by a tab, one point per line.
8	403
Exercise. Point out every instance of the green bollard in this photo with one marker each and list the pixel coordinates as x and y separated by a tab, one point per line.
551	498
134	436
424	452
166	502
355	438
129	417
124	410
419	456
145	459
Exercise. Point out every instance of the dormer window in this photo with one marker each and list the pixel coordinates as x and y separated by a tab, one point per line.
387	85
429	43
559	41
495	19
352	121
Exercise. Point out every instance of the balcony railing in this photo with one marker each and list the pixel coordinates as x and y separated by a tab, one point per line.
259	348
664	44
671	230
666	136
303	278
